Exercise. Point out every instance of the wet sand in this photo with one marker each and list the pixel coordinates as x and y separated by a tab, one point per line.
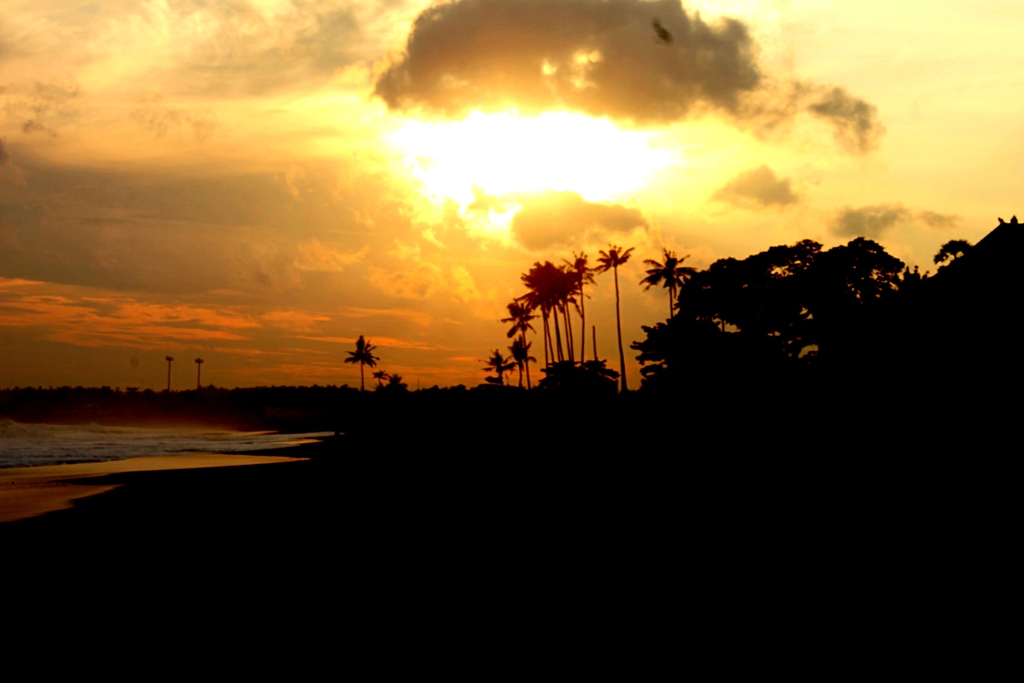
27	492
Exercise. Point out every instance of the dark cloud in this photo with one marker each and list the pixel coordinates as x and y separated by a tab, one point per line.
854	120
160	119
553	218
938	220
31	126
10	174
42	105
759	186
868	221
600	57
180	234
604	58
50	96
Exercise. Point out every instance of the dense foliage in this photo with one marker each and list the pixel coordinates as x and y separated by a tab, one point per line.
771	313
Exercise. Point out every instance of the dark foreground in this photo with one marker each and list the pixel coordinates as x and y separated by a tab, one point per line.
376	513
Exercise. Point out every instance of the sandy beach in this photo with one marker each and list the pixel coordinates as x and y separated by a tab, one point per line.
31	491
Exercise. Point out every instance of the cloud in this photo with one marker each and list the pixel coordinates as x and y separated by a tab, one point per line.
424	281
854	120
356	312
759	186
938	220
314	256
77	316
53	96
9	175
599	57
603	58
868	221
130	229
31	126
485	203
294	321
376	341
564	218
421	281
246	51
160	119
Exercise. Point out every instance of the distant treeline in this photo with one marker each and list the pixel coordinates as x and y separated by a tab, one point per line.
793	340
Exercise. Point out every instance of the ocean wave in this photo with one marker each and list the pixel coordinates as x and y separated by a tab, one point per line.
29	445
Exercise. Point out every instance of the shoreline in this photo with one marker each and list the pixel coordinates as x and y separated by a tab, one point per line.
30	492
27	492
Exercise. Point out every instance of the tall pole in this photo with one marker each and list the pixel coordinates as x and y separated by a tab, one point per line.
199	372
594	330
618	325
169	359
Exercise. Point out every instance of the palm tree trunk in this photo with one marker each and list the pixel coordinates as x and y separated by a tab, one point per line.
558	337
528	385
520	375
568	335
618	325
362	382
583	329
547	340
593	329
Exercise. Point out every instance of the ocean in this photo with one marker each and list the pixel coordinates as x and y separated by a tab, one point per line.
29	445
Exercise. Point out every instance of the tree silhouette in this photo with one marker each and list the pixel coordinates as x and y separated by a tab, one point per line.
550	290
499	365
582	275
952	250
670	274
590	378
787	308
611	260
199	368
520	315
521	356
564	282
381	376
364	356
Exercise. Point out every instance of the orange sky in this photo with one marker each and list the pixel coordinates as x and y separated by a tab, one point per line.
259	183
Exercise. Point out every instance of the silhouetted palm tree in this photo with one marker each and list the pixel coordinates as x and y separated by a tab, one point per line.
521	356
380	376
520	316
583	275
670	274
499	364
565	295
952	250
544	282
199	369
611	260
364	356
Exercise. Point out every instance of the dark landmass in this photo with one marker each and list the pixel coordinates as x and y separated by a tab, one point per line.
895	439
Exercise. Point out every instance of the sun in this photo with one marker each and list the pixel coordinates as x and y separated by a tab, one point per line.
504	154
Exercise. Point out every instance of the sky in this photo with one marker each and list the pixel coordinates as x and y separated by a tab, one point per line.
258	183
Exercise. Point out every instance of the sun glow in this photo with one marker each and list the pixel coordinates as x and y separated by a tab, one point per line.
503	154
